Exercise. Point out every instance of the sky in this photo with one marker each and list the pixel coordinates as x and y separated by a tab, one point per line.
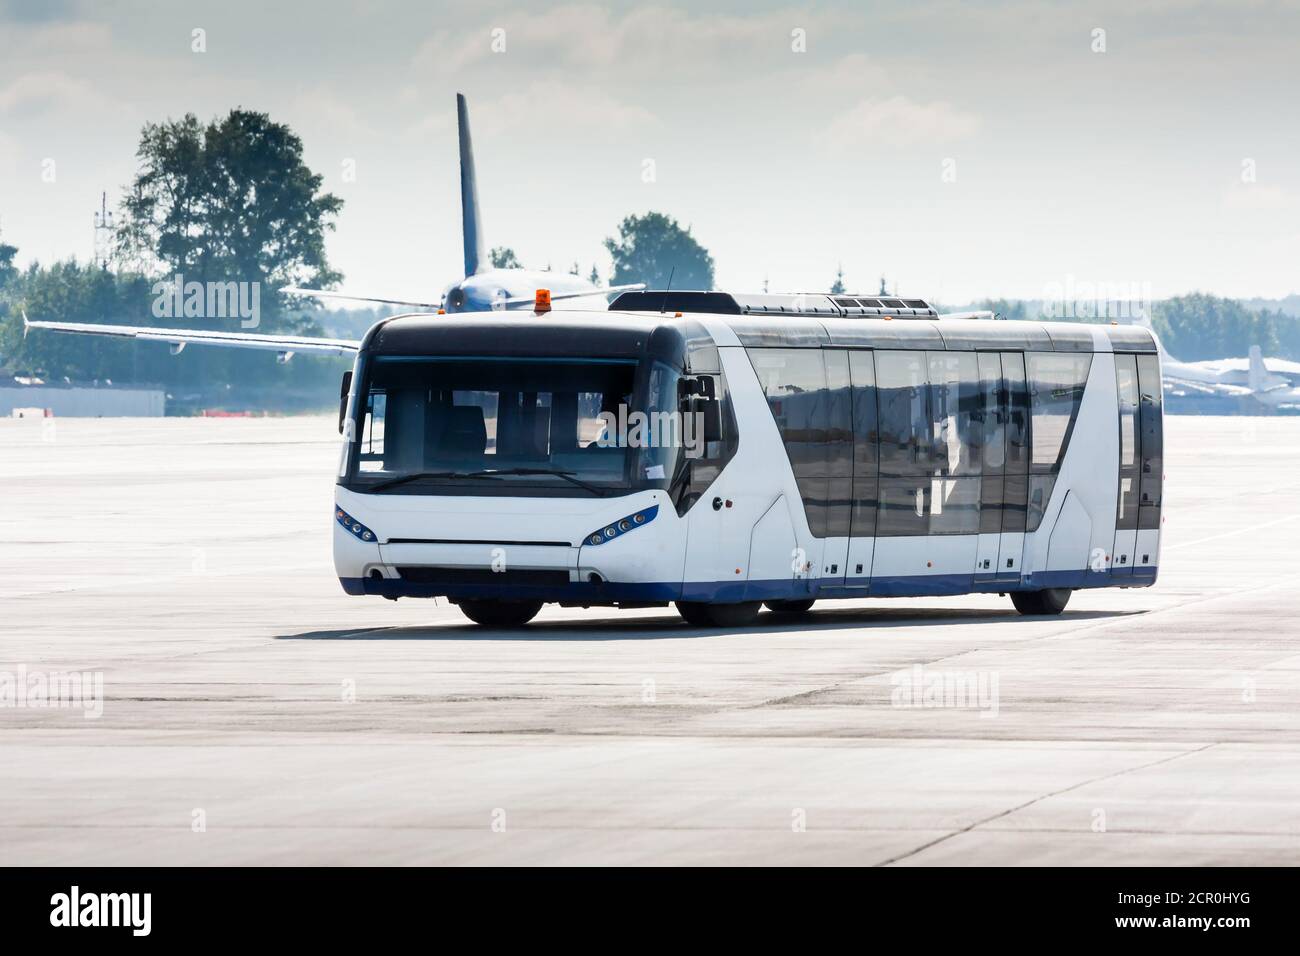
963	150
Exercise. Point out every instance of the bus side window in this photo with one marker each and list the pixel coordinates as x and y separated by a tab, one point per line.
992	415
839	444
1152	442
1056	384
702	471
1015	490
1126	385
794	382
902	390
954	397
866	442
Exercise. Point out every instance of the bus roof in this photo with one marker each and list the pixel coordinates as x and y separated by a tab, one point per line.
671	336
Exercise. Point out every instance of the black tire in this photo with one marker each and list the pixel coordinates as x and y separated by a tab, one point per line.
694	614
500	613
719	615
791	607
1048	601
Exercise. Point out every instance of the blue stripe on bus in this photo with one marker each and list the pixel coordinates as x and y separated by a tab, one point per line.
924	585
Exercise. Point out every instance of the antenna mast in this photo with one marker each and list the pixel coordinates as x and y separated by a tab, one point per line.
103	232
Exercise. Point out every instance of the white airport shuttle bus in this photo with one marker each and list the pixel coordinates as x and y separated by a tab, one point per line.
724	452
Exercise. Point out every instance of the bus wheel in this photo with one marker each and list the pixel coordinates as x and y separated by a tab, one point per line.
1049	601
790	607
719	615
500	613
693	613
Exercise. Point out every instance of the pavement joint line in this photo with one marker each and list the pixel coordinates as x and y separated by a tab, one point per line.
1046	796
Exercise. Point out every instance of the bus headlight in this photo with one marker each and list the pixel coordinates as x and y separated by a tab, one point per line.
622	526
355	527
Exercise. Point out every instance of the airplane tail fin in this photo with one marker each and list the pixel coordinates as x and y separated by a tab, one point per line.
471	223
1258	375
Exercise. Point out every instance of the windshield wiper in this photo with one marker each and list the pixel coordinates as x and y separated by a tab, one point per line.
566	475
418	475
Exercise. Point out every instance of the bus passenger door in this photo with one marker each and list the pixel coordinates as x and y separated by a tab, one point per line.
866	471
991	414
1015	478
1126	513
839	469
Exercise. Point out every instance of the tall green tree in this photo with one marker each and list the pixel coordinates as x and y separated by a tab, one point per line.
1007	308
7	274
1199	326
72	292
231	200
7	268
649	248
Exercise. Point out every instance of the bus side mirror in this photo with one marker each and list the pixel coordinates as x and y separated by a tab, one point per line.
702	385
709	415
344	387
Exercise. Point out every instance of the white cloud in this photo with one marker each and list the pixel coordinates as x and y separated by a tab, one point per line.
48	90
668	41
549	108
900	121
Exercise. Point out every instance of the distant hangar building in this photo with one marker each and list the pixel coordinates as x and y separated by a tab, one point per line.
23	397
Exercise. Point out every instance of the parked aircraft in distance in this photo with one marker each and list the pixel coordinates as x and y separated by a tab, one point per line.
1262	388
1231	377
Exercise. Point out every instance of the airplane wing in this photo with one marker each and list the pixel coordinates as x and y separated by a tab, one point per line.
321	294
1204	388
556	296
286	345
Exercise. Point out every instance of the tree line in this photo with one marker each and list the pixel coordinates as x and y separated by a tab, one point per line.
232	200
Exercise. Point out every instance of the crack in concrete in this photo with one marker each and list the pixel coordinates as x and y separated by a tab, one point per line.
1042	797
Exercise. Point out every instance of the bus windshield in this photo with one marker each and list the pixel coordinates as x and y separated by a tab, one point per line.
499	423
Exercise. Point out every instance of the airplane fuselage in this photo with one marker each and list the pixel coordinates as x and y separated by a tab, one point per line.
491	289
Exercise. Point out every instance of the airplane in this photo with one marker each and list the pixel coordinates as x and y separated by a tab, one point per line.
1228	376
482	289
1262	389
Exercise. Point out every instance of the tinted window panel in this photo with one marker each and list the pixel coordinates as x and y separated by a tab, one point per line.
954	400
1015	503
1126	385
839	437
904	506
1013	372
794	381
905	428
991	415
955	506
1040	493
862	371
1152	441
1056	383
991	491
990	421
